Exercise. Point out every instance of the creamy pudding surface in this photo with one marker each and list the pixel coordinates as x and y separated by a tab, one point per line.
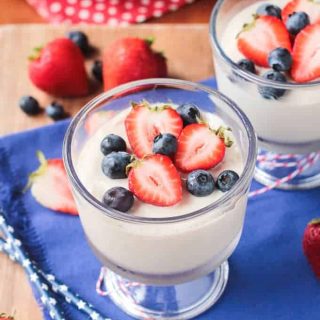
89	170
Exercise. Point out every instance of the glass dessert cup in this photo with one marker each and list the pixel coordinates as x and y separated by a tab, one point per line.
166	267
287	128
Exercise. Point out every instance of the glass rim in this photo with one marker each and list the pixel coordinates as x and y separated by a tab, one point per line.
247	75
77	184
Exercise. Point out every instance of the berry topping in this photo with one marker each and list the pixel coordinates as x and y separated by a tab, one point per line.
29	105
59	69
115	163
226	180
55	111
96	70
280	59
296	22
200	183
111	143
306	54
200	147
155	180
189	113
81	40
260	37
165	144
310	7
130	59
311	245
271	93
269	9
246	65
145	122
119	198
50	186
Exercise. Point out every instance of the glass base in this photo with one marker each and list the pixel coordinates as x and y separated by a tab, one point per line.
271	167
175	302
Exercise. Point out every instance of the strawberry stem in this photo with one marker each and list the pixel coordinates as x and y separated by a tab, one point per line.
224	134
314	221
149	40
36	52
42	168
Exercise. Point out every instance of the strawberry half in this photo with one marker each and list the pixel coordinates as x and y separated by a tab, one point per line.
155	180
310	7
260	37
306	54
200	147
145	122
50	186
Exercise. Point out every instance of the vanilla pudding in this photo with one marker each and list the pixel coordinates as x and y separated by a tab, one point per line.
171	252
288	124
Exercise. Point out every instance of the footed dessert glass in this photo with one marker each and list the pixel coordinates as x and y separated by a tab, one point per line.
163	267
287	128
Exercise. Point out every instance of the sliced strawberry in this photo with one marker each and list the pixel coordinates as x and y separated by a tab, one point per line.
96	120
155	180
145	122
306	54
199	147
260	37
310	7
50	186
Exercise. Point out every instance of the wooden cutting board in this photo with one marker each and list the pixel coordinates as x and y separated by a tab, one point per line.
188	51
186	47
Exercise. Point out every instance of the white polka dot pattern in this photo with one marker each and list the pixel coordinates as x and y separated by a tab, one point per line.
109	12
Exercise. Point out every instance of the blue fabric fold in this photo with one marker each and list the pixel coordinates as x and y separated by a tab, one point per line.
269	276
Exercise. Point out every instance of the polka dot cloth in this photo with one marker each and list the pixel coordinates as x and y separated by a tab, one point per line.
110	12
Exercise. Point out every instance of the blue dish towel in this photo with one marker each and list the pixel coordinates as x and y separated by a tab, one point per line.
269	276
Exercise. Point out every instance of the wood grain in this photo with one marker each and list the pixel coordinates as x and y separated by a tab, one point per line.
18	11
189	57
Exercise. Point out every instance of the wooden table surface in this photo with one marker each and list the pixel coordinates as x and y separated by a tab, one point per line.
15	292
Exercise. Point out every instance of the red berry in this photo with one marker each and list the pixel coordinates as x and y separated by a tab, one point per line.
311	245
199	147
145	122
130	59
310	7
155	180
260	37
306	55
50	186
58	69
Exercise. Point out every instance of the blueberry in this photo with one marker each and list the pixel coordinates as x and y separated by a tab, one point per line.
29	105
226	180
189	113
270	92
269	9
112	142
81	40
118	198
114	164
200	183
246	65
280	59
296	22
165	144
96	70
55	111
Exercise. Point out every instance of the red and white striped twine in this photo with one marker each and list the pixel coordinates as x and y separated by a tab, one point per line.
272	162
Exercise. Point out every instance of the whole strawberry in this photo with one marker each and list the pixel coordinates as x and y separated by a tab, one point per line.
130	59
59	69
311	245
